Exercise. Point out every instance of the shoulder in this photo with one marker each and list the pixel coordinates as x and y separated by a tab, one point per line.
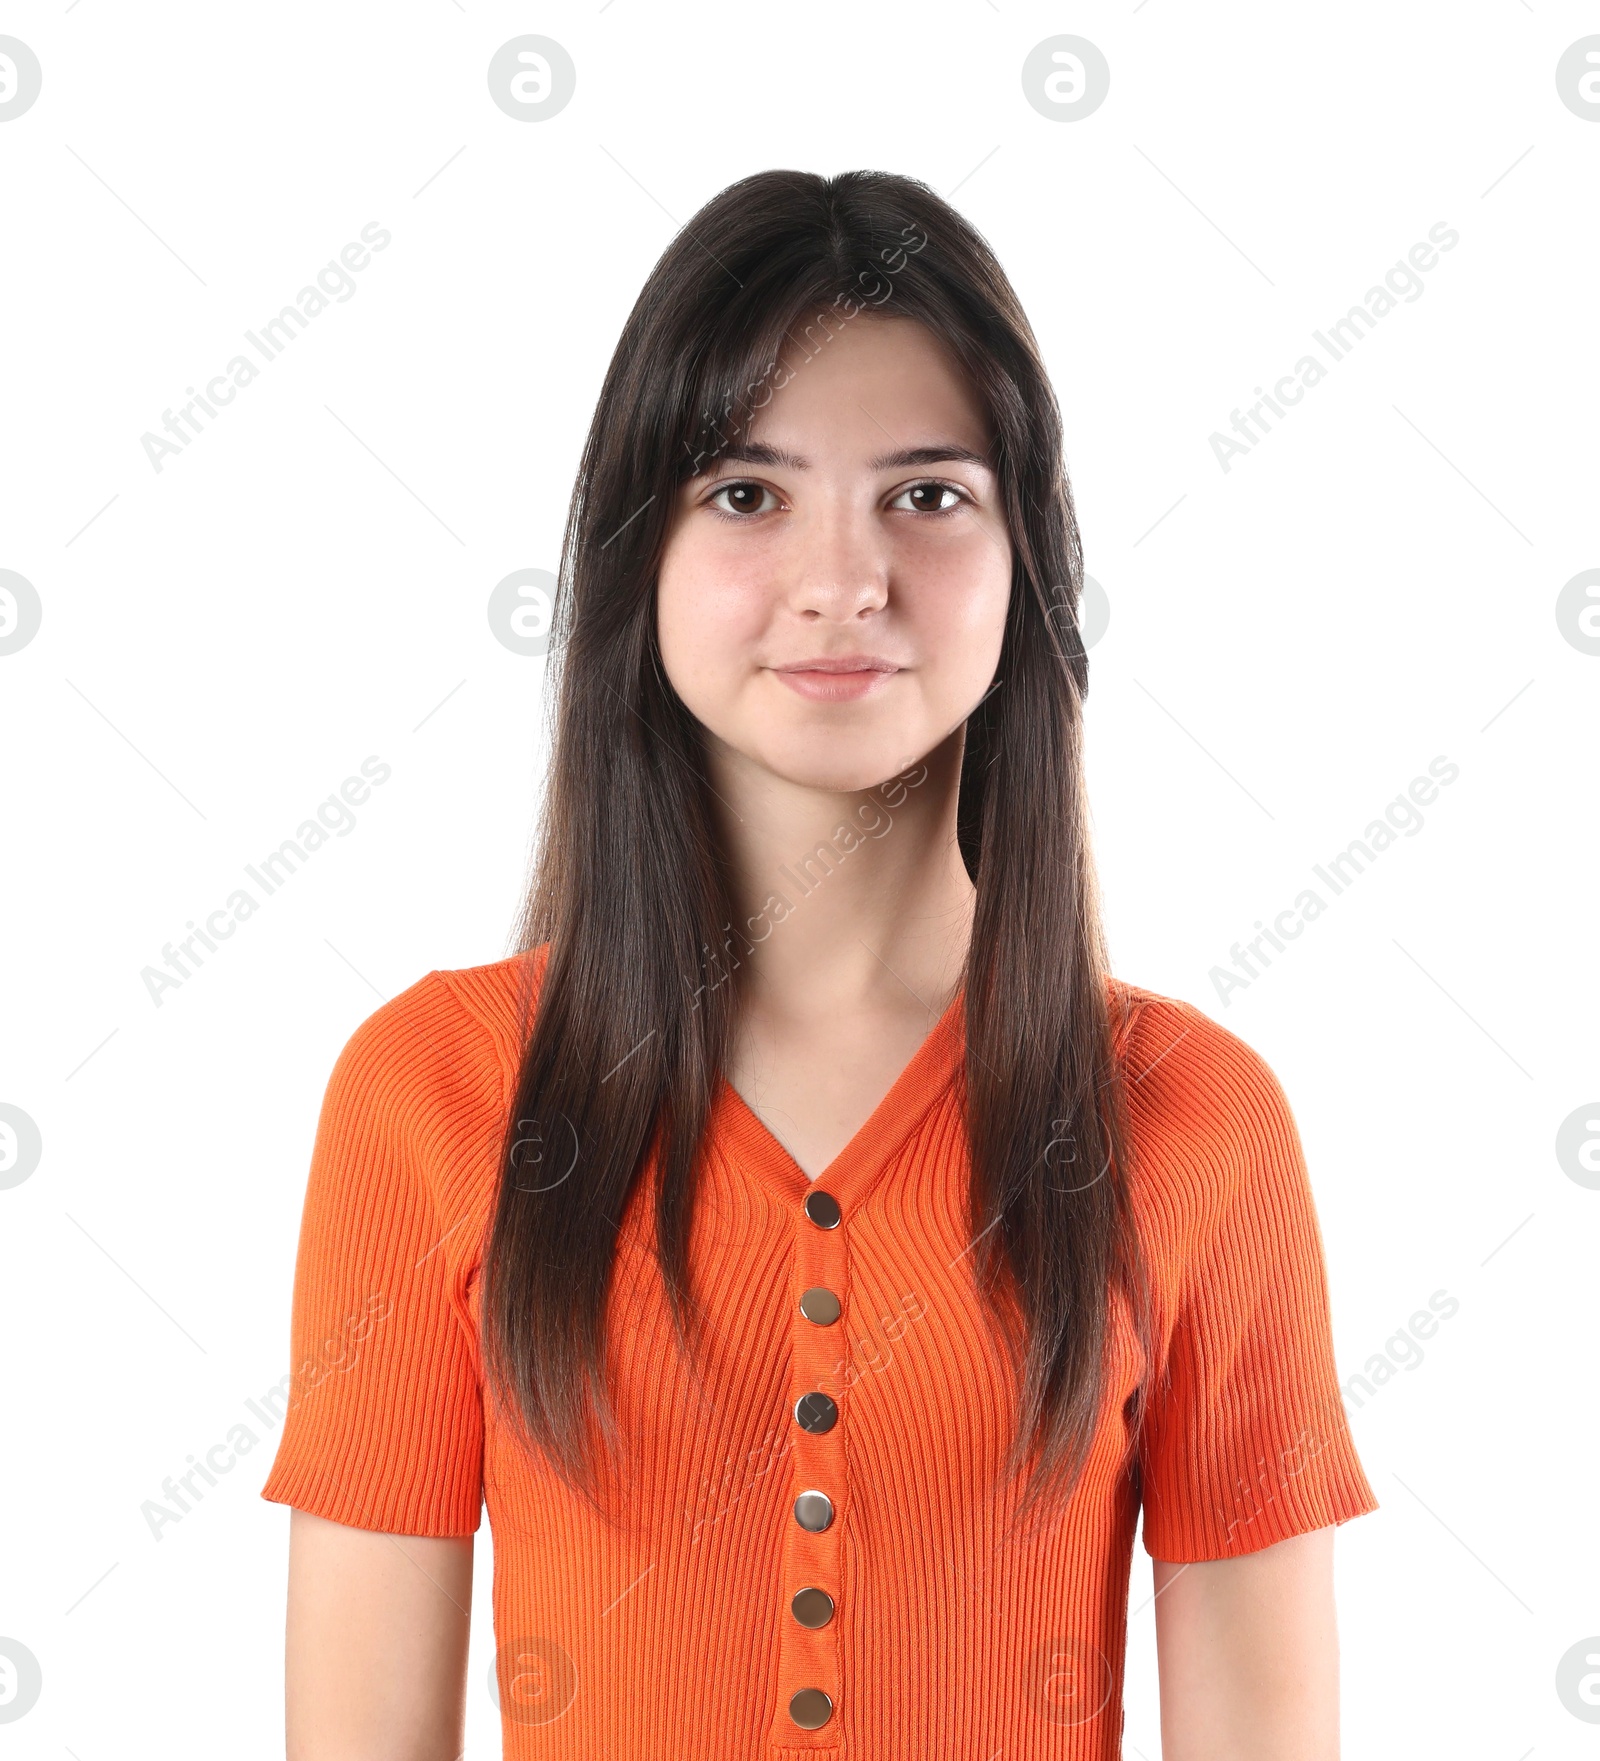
439	1053
1198	1072
1208	1114
414	1111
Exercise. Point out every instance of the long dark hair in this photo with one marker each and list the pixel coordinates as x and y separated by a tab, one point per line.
629	913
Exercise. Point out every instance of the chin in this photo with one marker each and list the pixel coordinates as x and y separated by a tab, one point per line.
854	766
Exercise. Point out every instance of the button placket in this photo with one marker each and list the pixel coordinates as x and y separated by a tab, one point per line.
820	1213
808	1710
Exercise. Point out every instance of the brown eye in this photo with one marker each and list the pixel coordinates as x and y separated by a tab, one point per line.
743	498
926	498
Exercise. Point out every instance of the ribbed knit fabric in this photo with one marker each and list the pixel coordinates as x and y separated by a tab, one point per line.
673	1635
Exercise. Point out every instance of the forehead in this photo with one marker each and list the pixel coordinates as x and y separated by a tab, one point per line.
876	393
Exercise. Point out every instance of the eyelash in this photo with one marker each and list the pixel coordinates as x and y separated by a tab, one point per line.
962	499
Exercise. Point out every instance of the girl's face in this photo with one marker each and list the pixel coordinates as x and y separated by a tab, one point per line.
854	523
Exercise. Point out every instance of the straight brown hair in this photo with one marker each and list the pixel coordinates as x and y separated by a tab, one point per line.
629	903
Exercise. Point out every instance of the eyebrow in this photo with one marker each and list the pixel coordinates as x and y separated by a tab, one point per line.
756	452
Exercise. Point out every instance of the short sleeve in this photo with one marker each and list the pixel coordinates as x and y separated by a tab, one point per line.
384	1421
1246	1441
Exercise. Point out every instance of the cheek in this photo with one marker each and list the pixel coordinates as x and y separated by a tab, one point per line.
709	615
959	614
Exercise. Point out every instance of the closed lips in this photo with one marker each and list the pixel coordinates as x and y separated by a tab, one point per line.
846	679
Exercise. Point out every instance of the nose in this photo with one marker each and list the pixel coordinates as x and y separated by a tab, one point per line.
840	567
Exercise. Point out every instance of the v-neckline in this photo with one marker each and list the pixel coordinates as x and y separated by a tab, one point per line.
857	1166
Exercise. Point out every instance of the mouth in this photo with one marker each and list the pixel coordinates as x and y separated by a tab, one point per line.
837	680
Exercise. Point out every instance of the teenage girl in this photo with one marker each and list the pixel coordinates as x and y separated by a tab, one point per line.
810	1254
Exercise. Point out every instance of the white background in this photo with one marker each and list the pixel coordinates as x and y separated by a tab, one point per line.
1290	643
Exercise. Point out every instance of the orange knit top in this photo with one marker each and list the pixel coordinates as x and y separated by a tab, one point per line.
782	1591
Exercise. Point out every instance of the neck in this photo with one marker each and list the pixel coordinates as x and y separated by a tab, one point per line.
845	899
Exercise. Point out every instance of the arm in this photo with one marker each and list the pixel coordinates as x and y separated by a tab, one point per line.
1248	1655
376	1654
